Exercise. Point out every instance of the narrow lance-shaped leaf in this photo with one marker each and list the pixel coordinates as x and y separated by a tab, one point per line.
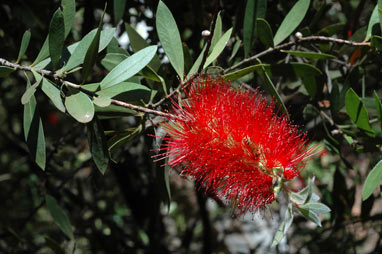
98	145
254	9
80	48
357	112
34	132
24	44
379	108
264	32
372	181
80	107
119	10
53	93
169	37
285	225
56	37
92	52
43	53
291	21
217	32
59	216
29	92
380	12
68	11
138	43
219	47
129	67
374	19
310	55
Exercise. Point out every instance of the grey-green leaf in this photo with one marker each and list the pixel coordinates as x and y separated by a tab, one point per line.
102	101
217	32
379	108
43	53
119	9
53	93
372	181
196	64
310	55
29	92
111	60
374	20
242	72
98	145
34	132
24	44
68	11
59	216
380	12
310	215
264	32
316	207
129	67
220	45
79	49
138	43
169	37
291	21
56	37
357	112
80	107
285	225
254	9
92	51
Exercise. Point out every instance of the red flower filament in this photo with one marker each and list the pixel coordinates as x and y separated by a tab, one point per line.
233	143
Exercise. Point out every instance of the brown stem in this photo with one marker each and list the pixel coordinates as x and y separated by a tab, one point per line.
58	77
320	39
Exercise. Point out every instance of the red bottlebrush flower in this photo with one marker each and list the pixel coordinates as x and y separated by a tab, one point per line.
233	143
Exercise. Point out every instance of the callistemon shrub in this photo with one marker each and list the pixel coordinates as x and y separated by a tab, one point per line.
234	144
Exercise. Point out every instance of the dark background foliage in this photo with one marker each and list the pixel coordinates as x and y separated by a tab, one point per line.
125	210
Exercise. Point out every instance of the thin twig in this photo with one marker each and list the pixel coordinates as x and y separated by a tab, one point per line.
58	77
320	39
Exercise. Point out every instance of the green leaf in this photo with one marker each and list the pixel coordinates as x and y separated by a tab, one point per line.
235	49
102	101
119	9
129	67
29	92
169	37
310	55
138	43
376	41
373	180
310	215
380	12
53	93
273	91
80	107
217	32
374	19
242	72
122	138
112	59
24	44
79	49
316	207
220	45
68	11
43	53
92	51
291	21
285	225
357	112
264	32
126	91
254	9
5	71
56	37
34	132
196	64
98	145
379	108
59	216
330	30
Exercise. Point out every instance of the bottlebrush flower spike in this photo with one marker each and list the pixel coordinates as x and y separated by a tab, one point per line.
234	144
